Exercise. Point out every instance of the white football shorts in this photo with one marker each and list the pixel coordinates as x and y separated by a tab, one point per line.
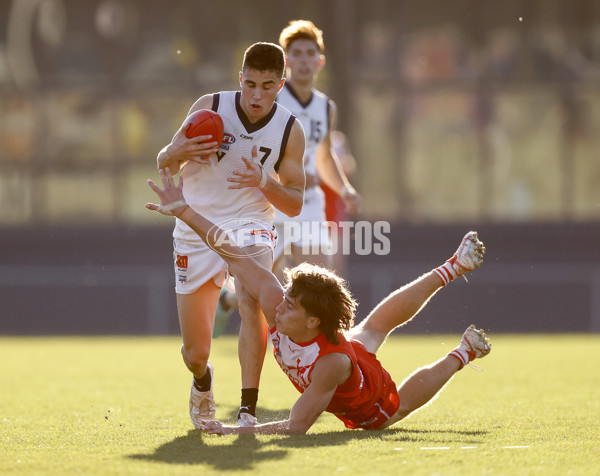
195	263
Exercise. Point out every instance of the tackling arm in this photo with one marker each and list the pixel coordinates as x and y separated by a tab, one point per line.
329	372
260	283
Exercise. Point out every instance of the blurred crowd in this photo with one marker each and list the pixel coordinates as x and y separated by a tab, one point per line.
452	112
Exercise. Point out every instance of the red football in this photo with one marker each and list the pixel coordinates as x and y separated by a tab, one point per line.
205	122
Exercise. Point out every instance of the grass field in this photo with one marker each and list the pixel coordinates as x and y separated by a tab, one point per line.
117	406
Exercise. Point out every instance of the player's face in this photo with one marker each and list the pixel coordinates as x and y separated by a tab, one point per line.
304	60
292	320
259	90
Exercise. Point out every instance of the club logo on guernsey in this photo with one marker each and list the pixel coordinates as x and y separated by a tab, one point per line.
182	261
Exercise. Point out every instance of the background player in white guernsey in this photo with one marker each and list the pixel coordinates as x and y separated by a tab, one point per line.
306	237
331	362
303	43
235	187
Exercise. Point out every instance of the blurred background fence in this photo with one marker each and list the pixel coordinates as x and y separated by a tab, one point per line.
463	114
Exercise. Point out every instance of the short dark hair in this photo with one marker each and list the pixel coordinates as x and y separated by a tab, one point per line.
325	295
265	57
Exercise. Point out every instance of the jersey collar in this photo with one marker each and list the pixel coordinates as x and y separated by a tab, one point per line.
294	94
249	126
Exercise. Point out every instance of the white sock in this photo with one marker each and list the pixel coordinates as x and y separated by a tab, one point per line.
462	355
446	272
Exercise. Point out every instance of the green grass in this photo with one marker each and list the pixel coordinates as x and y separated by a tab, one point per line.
117	406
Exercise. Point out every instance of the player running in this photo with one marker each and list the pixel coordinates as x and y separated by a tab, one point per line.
258	166
304	47
330	361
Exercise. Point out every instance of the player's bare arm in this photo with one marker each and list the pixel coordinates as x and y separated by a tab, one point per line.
260	283
288	194
181	149
330	169
330	371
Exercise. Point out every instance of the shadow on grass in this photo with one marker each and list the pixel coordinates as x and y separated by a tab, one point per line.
389	435
244	453
248	451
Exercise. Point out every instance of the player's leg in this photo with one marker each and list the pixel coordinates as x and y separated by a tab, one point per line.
252	344
226	305
195	320
196	317
404	303
396	309
199	274
314	245
424	384
280	262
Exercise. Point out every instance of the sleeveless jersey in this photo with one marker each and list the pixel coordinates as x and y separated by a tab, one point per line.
366	400
205	187
314	117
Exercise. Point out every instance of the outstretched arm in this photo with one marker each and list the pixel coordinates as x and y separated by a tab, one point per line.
260	283
329	372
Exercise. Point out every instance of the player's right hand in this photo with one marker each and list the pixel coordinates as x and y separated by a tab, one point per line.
195	149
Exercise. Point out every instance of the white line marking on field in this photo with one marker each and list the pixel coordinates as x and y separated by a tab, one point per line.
430	448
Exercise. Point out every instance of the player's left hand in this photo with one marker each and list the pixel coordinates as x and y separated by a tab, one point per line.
352	200
250	175
171	198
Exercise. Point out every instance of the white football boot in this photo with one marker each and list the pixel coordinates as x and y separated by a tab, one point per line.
473	345
246	419
468	257
202	404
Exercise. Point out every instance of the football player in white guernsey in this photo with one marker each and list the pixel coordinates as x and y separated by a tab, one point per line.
258	166
303	43
328	359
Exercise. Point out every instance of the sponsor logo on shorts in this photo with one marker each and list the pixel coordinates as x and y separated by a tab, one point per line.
266	233
182	262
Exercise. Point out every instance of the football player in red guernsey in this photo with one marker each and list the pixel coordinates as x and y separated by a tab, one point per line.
328	359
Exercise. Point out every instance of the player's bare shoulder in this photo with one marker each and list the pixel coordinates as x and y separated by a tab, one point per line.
334	368
204	102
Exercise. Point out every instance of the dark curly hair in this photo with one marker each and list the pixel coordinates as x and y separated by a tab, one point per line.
325	295
265	57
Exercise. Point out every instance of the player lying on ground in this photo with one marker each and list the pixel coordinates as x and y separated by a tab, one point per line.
330	361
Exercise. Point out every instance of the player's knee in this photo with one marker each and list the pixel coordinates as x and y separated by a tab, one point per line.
195	357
